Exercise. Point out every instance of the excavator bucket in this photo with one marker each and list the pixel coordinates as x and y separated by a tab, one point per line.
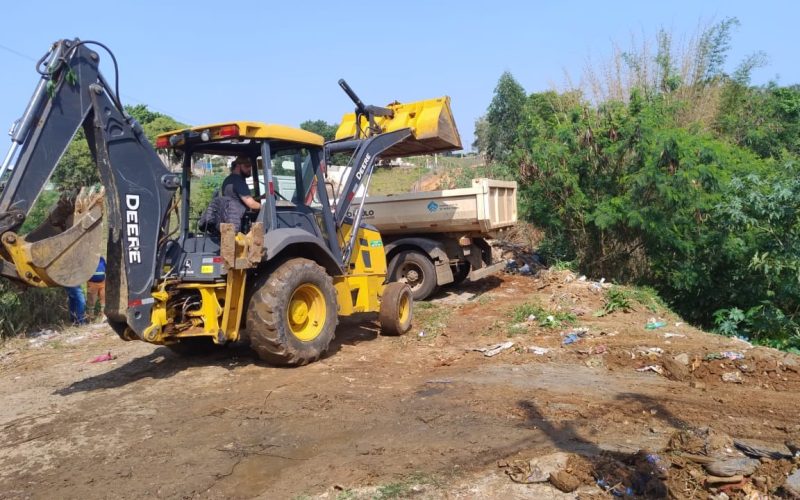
65	248
431	122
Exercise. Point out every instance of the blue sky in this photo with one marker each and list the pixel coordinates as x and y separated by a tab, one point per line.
205	62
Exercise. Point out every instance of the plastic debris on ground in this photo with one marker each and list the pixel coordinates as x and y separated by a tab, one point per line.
494	349
37	339
539	351
733	377
651	368
729	355
103	357
654	324
669	335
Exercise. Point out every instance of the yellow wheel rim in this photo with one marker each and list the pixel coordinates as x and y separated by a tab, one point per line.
307	312
405	308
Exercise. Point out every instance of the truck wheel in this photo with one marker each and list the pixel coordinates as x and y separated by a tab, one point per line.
291	315
416	270
461	272
396	311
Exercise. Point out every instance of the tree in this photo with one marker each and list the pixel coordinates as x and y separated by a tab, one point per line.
77	167
504	117
320	127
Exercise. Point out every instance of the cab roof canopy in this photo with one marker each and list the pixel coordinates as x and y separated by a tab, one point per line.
236	130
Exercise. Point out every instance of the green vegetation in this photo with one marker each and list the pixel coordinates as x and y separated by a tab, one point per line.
544	317
676	175
23	309
431	318
616	299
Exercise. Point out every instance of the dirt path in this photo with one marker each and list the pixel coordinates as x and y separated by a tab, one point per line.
379	417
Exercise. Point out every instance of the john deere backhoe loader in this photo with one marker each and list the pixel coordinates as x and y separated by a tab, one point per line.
281	282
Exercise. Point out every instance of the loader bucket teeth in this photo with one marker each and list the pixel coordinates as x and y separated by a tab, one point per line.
431	122
53	256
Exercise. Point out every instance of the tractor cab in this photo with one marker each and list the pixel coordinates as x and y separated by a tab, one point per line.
286	179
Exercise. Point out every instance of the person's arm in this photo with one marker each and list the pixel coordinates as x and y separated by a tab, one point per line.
250	202
244	194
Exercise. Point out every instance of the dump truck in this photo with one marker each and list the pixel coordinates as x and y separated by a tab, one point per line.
279	278
436	238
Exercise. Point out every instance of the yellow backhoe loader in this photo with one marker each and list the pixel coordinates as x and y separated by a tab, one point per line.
280	277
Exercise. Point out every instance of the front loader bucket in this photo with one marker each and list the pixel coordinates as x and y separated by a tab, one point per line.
53	256
431	122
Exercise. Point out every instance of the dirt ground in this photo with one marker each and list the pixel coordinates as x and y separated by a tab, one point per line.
421	416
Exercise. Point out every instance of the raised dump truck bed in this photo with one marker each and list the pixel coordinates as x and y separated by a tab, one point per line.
483	210
435	238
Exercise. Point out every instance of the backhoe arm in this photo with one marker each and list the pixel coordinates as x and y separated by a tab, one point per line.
138	189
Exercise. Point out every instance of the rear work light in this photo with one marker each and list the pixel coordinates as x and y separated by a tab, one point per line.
229	131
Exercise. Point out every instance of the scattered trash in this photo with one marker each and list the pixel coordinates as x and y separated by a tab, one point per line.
422	333
531	318
733	377
103	357
668	335
660	466
652	324
617	490
651	368
600	349
732	467
730	355
539	351
652	350
571	338
537	470
38	339
494	349
754	452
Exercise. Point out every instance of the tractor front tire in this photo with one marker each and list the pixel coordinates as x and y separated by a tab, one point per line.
292	314
397	309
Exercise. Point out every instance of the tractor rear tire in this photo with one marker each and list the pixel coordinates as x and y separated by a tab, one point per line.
397	309
416	270
292	313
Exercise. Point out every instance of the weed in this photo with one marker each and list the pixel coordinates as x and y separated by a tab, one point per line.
620	299
346	495
405	488
649	298
431	318
516	329
616	299
546	318
565	265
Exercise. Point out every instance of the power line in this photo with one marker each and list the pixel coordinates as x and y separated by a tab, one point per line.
128	97
17	53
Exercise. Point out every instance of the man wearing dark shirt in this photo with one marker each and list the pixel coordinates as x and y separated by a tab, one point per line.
235	188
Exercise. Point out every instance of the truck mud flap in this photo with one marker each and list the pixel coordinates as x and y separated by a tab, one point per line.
486	271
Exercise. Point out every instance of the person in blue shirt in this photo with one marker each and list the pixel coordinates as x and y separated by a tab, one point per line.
96	291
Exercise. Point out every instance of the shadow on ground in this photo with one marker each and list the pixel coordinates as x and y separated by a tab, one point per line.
162	363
